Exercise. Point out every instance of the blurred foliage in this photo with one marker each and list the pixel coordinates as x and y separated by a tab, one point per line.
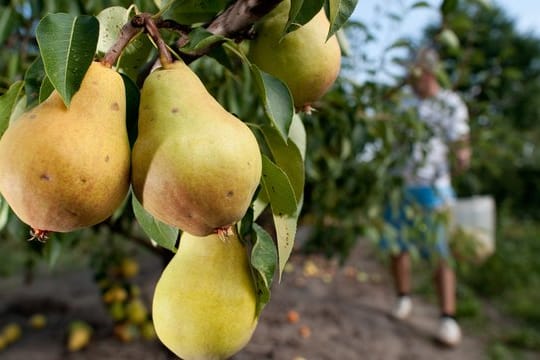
497	70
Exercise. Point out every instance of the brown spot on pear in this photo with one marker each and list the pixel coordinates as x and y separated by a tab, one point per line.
185	164
303	59
204	304
46	152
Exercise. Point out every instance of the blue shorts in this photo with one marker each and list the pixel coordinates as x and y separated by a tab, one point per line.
421	228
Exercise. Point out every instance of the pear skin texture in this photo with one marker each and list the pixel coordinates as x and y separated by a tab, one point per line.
204	303
303	59
62	169
194	165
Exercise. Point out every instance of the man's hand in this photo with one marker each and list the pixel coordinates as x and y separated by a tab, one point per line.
463	158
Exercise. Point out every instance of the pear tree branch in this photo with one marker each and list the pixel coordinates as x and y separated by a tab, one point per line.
128	32
235	22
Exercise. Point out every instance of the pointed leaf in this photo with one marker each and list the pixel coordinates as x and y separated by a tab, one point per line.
287	156
135	55
297	133
19	109
163	234
264	261
301	12
132	108
45	90
420	4
111	21
339	13
8	102
67	45
32	82
278	188
285	233
200	38
276	98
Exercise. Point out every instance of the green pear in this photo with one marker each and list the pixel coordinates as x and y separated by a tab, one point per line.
66	168
303	59
204	302
194	165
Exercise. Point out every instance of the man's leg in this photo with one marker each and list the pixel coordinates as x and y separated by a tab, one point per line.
449	332
445	283
401	271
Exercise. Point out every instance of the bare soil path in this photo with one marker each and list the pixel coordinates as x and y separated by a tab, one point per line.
341	315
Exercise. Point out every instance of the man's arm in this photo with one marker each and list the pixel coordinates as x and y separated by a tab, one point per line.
462	152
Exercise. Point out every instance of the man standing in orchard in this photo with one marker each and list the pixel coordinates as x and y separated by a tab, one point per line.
428	187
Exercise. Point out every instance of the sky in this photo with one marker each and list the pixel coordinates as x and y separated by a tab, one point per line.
524	12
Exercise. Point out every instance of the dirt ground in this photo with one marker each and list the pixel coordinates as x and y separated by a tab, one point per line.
342	315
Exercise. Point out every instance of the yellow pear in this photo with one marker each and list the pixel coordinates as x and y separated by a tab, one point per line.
302	59
204	302
66	168
194	165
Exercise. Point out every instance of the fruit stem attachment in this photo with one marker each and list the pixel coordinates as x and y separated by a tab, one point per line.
128	32
165	56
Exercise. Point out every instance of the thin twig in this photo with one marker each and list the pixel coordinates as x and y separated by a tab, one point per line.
165	56
234	23
128	32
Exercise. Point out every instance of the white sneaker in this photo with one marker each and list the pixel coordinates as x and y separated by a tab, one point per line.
403	308
449	332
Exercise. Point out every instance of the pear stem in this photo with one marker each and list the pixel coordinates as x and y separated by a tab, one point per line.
128	32
165	56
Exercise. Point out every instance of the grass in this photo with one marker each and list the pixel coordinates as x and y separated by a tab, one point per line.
509	282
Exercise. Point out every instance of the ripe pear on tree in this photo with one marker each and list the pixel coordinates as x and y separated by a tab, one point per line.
194	165
303	59
205	302
66	168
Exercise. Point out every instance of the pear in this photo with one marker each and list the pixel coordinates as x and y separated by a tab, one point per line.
194	165
303	59
66	168
204	302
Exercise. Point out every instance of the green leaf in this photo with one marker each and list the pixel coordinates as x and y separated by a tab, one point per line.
264	261
9	20
133	97
276	98
163	234
420	4
4	213
52	250
398	44
297	134
278	188
19	109
8	102
135	55
193	11
200	38
45	90
111	21
339	12
301	12
67	45
285	233
448	6
287	156
33	78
